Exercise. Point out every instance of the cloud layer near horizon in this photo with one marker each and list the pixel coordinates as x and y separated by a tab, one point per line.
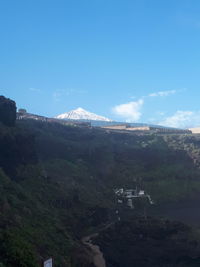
131	111
182	119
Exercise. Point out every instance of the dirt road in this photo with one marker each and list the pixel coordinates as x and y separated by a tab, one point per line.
98	259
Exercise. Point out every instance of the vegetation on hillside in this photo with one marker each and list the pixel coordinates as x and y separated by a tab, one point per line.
150	243
56	183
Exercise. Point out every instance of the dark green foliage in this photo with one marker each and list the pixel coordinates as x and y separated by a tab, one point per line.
17	148
7	111
22	110
17	251
57	183
149	243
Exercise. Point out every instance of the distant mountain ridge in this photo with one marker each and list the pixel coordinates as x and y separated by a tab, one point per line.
81	114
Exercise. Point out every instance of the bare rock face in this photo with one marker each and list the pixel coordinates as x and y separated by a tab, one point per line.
7	111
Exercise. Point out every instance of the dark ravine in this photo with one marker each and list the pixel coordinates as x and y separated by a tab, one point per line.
88	241
149	242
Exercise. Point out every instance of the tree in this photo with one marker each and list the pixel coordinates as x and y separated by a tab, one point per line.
7	111
22	110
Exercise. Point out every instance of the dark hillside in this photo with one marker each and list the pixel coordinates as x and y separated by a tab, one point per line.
7	111
57	184
150	243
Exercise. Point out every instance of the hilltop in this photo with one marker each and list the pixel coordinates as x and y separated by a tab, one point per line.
82	114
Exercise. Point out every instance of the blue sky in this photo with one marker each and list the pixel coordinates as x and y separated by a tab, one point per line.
129	60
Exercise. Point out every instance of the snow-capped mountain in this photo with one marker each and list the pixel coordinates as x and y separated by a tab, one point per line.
81	114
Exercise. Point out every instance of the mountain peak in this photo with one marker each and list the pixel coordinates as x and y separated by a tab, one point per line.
81	114
79	109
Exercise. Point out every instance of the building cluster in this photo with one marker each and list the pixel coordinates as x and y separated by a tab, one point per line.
127	197
148	129
195	130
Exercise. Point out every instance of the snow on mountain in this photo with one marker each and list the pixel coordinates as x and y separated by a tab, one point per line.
81	114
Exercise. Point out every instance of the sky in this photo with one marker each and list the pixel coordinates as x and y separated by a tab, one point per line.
128	60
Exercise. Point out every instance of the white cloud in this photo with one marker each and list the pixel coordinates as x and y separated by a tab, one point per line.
131	111
35	90
163	93
62	93
160	113
182	119
57	96
166	93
